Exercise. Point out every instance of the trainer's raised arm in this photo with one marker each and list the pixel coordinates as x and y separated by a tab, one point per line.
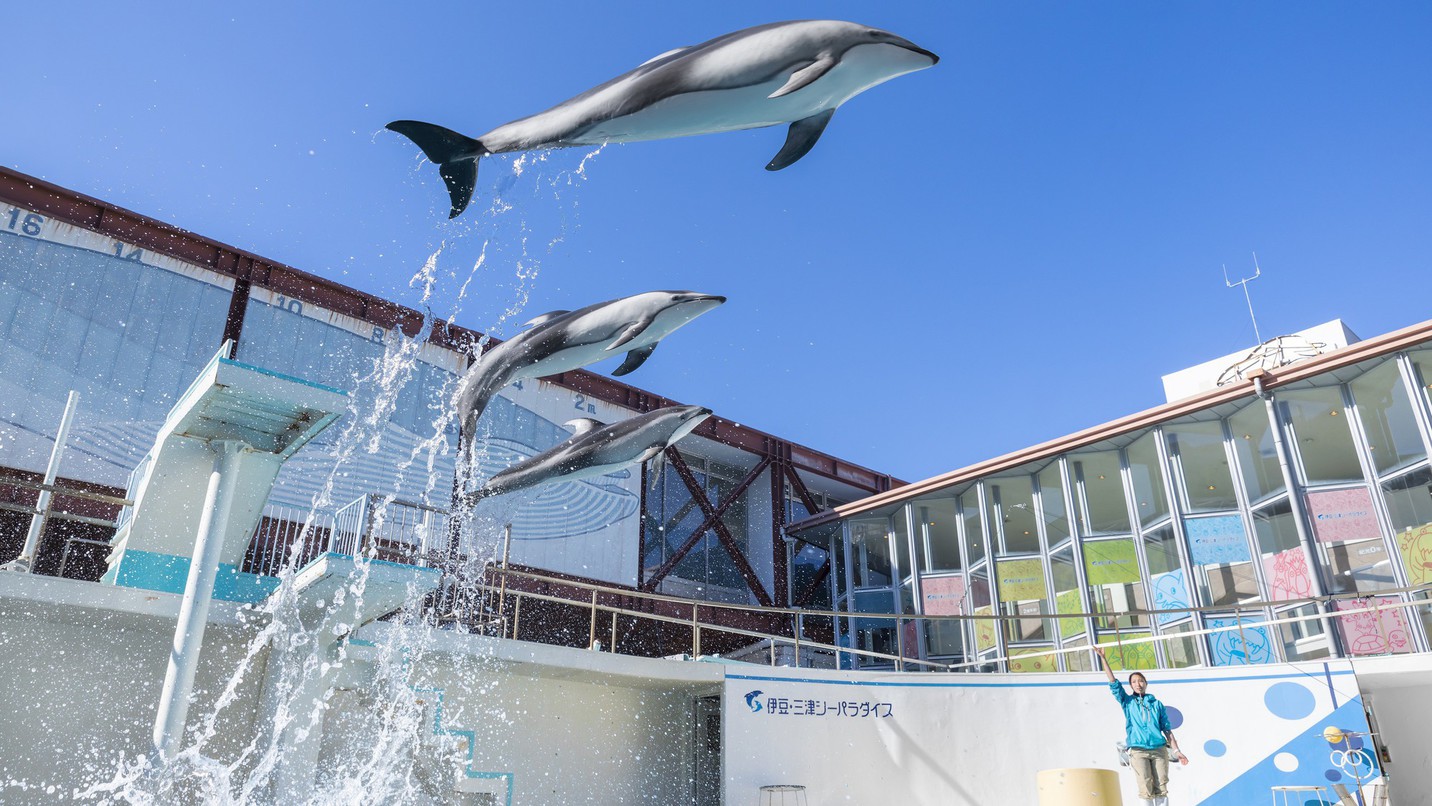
1108	671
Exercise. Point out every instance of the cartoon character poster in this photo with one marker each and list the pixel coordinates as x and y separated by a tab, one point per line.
1239	646
1374	632
1170	594
1342	515
1218	540
1288	575
1415	546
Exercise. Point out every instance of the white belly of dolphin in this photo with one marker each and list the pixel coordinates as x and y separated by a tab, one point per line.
725	110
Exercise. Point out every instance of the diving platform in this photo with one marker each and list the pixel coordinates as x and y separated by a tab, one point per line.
233	427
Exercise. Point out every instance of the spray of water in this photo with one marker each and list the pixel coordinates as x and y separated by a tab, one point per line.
307	659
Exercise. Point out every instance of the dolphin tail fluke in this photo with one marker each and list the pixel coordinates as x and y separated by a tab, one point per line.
477	495
456	156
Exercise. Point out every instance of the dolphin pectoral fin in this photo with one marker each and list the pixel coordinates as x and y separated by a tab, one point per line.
456	156
800	139
805	76
658	466
632	331
634	359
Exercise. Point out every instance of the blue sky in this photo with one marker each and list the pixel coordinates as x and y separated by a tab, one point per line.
1006	248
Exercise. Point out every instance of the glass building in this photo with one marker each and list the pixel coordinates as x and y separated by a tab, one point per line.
1297	475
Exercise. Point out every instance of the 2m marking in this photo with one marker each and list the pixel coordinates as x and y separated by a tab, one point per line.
583	405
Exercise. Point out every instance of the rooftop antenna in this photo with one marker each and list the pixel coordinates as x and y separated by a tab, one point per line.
1244	282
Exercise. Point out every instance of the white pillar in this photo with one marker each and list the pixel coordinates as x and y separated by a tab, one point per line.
198	593
42	507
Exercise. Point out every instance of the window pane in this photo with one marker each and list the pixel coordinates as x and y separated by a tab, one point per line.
1022	592
1324	442
1181	652
1011	503
1198	450
1112	570
1285	563
974	532
1222	562
1066	593
1257	454
1359	566
1170	584
874	634
1248	644
1409	499
1303	640
1387	419
871	562
1146	471
1374	632
902	544
1104	508
937	516
1056	511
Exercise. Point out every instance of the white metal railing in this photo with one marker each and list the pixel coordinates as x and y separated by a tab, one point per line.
504	603
386	528
284	531
126	513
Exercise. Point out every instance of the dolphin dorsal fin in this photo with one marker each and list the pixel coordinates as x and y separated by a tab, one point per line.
582	425
546	317
659	57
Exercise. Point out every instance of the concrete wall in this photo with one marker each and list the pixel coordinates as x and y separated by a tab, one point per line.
982	739
81	685
1398	691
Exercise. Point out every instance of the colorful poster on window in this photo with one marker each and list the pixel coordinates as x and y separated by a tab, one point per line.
984	629
1110	562
1288	575
1415	546
1128	657
944	595
1342	515
1239	647
1020	580
1068	602
1375	632
1031	661
1170	593
1219	540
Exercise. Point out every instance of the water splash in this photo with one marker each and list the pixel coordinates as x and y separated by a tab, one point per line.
302	666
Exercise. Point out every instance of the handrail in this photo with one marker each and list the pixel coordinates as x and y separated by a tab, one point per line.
797	640
1221	609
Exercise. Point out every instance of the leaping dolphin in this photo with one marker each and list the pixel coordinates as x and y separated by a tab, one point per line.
784	72
562	341
596	449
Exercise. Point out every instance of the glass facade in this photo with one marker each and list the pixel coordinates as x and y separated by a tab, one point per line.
1220	525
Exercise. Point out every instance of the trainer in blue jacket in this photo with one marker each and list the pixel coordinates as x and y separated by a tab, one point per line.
1148	735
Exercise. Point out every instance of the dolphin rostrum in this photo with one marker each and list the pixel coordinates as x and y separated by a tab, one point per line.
596	449
562	341
784	72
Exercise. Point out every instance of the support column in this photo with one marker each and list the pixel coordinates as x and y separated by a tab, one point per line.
198	593
26	560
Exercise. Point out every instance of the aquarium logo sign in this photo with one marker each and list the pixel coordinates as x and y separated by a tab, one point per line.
753	699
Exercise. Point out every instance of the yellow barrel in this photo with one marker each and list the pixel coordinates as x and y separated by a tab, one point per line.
1079	786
